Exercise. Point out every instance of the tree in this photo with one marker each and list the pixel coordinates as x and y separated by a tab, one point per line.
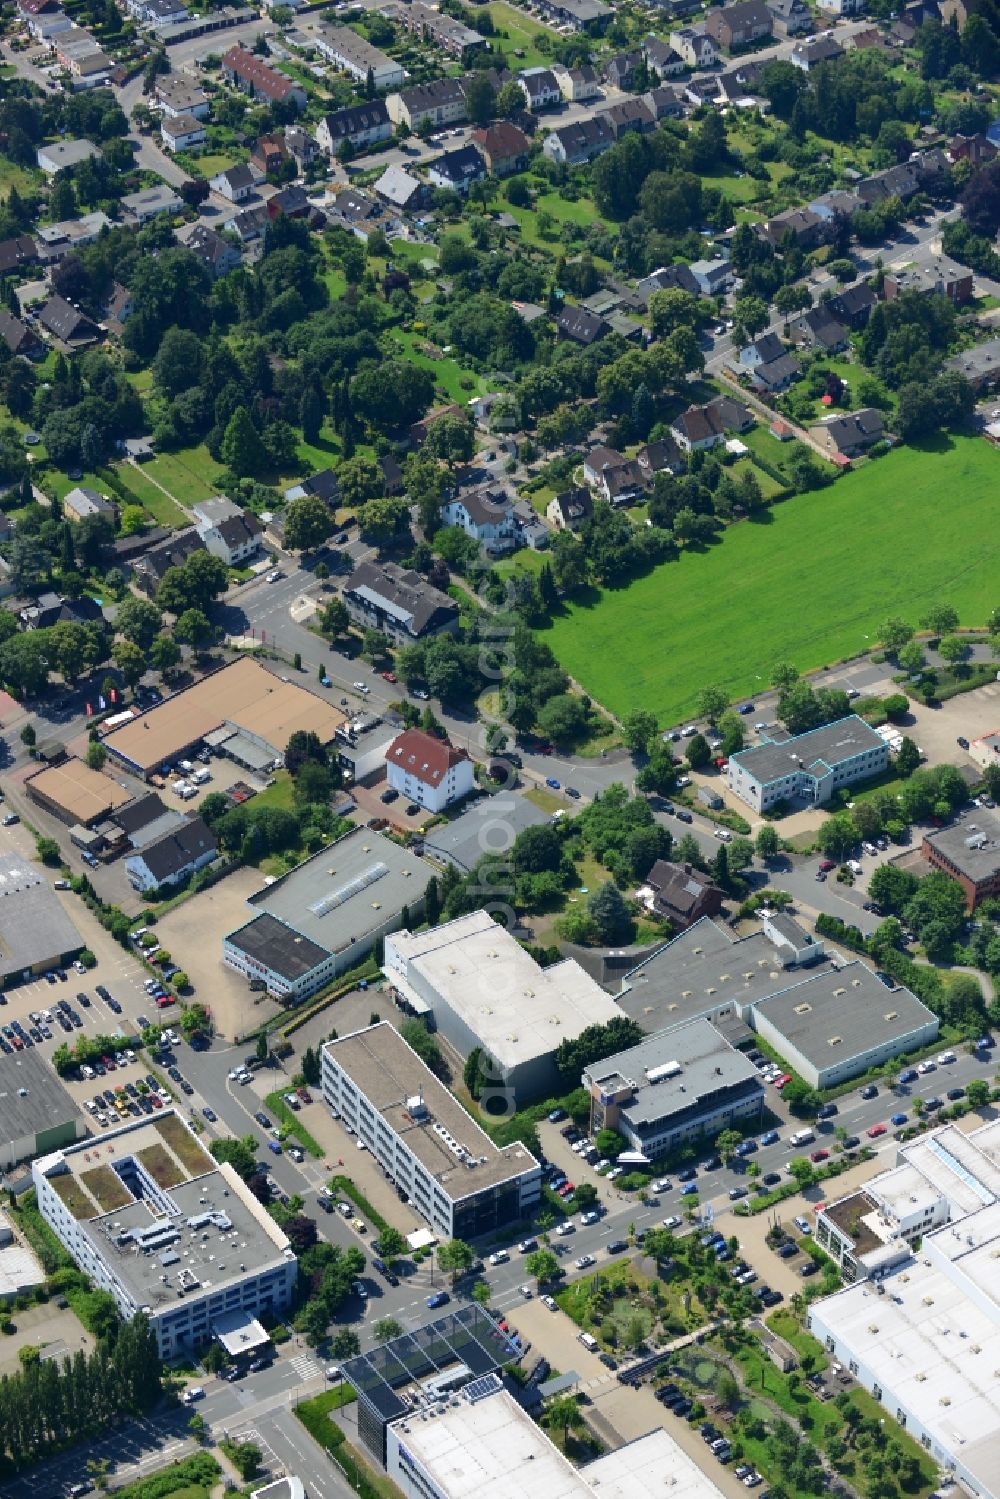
193	628
391	1245
311	411
308	523
639	729
346	1343
727	1390
563	1415
178	362
385	1329
712	703
481	1293
978	1092
607	909
479	99
838	835
360	479
894	634
130	660
940	620
907	757
585	1196
241	449
953	649
699	752
455	1257
726	1144
164	654
334	619
767	842
96	755
542	1265
563	718
245	1458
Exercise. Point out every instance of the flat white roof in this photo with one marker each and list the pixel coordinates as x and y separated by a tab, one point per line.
517	1009
651	1467
490	1449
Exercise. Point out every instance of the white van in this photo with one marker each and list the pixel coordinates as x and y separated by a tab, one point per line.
723	835
194	1393
802	1137
199	777
589	1341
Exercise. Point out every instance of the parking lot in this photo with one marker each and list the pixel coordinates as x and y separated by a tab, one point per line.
193	932
970	715
55	1330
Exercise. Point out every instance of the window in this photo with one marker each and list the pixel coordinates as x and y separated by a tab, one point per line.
853	1366
877	1391
829	1345
900	1415
926	1441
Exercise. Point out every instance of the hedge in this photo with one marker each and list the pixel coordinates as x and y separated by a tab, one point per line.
292	1122
345	1185
201	1468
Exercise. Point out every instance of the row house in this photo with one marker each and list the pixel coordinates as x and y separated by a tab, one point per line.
439	103
578	143
255	77
362	125
356	56
740	25
695	47
443	30
577	85
630	115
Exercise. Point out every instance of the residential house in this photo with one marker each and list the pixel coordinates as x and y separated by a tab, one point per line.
51	609
150	568
733	414
227	530
619	70
428	770
19	338
714	277
628	115
942	276
435	104
680	894
216	254
504	148
291	200
977	149
176	95
250	224
598	462
740	25
808	229
837	208
301	147
980	365
569	510
181	132
790	17
457	169
777	375
118	308
61	154
578	85
698	428
664	103
845	437
403	605
80	503
237	183
68	324
166	861
842	7
45	26
244	70
809	55
400	189
761	351
362	125
661	57
443	30
659	457
17	255
146	204
667	278
624	485
269	154
354	55
578	15
578	143
540	88
818	329
852	305
485	514
581	325
695	47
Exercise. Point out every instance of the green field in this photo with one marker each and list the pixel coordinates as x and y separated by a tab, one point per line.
808	584
521	32
185	474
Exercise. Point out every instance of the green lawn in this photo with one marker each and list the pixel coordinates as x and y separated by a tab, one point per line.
809	584
11	175
185	474
163	510
521	33
447	372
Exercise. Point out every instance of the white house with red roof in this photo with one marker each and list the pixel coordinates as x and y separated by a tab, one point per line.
428	770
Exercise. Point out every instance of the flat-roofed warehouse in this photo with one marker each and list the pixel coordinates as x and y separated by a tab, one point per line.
428	1146
37	1114
480	988
842	1022
76	794
35	932
261	711
325	915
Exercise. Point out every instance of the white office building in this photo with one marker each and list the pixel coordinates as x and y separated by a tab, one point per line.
924	1335
150	1217
421	1137
473	982
806	768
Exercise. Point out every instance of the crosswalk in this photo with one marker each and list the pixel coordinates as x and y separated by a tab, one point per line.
305	1366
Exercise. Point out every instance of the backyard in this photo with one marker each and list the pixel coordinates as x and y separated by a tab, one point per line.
520	36
813	596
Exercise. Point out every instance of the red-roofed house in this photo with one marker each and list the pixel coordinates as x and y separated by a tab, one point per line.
428	771
251	74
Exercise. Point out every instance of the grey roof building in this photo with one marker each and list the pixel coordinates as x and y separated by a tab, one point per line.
676	1086
185	848
36	1112
328	912
486	827
401	603
61	154
839	1023
807	767
35	932
970	853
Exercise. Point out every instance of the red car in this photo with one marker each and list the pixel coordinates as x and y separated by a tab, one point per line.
156	1100
304	1095
390	676
876	1130
826	865
110	1064
820	1155
780	1082
566	1189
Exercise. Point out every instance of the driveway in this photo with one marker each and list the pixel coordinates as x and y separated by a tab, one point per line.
193	934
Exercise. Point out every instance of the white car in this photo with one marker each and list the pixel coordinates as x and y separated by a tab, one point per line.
927	1066
615	1173
602	1166
274	575
500	1257
564	1229
945	1057
672	1222
661	1185
547	1301
584	1261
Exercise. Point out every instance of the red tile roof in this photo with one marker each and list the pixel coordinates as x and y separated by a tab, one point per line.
424	756
265	80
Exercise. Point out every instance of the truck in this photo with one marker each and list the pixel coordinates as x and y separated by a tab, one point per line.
802	1137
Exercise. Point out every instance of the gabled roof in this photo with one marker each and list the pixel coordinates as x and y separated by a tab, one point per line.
462	165
266	80
857	427
424	756
177	850
21	250
16	335
485	507
398	186
581	324
502	139
679	887
574	505
698	422
66	321
358	118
